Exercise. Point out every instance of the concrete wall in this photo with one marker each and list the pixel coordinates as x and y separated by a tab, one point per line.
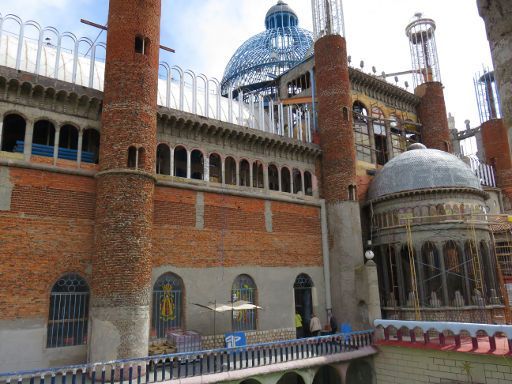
409	366
23	346
274	292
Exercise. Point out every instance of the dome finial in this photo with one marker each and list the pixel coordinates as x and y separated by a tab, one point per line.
414	146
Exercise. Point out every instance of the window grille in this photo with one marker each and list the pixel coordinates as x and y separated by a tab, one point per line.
69	312
244	289
167	305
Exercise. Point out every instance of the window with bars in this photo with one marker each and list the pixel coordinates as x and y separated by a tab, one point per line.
244	289
361	132
68	312
167	305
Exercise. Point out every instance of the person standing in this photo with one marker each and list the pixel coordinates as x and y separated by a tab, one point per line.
315	327
299	330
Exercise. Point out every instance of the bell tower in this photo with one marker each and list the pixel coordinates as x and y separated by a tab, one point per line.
121	284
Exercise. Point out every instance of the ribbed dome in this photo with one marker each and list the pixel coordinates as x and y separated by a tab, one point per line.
421	168
270	53
280	8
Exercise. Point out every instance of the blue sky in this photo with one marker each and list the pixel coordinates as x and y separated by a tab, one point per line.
205	33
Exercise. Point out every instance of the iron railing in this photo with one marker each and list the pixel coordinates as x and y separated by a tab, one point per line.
27	46
171	367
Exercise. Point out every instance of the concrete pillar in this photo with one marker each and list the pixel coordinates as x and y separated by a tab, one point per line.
389	141
237	173
171	162
339	174
303	182
79	147
402	295
279	179
371	139
206	170
121	266
29	133
56	145
223	170
497	15
440	252
372	279
1	132
435	132
420	274
251	174
189	164
265	177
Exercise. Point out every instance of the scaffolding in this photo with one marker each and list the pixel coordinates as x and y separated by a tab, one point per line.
500	227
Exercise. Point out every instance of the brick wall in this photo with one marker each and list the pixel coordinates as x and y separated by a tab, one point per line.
48	232
411	366
234	232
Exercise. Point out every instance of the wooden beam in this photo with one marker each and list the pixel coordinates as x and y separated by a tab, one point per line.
298	100
103	27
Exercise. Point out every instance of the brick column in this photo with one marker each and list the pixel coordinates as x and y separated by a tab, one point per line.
338	173
435	132
497	15
121	282
497	153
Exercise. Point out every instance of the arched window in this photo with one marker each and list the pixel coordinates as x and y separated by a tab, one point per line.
90	146
362	137
244	289
297	181
180	162
431	273
68	313
68	137
230	170
257	174
13	131
302	289
285	180
454	270
167	306
197	165
379	133
245	173
163	159
308	183
43	138
132	157
273	178
215	170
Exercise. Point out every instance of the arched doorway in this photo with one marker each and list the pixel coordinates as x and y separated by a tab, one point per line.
327	375
302	289
291	378
359	372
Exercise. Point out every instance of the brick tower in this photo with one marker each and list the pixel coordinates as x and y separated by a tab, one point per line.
427	80
497	15
339	157
121	283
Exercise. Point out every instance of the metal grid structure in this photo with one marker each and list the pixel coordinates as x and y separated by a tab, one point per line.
265	56
487	96
328	18
422	43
